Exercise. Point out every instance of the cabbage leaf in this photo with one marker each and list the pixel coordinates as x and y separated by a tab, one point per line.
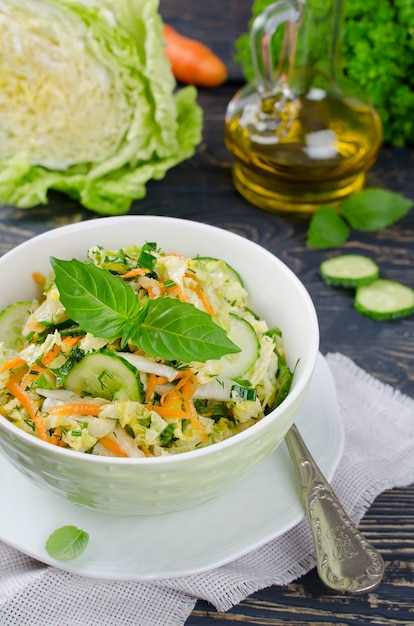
88	103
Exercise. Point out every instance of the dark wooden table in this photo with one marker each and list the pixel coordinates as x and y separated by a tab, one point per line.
201	189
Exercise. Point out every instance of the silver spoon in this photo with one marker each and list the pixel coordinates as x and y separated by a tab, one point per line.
345	560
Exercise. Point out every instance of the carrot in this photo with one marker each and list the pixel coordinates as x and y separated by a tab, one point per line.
191	61
40	279
35	327
167	411
146	452
179	292
29	404
194	418
171	397
70	341
203	297
138	271
56	438
12	364
151	292
201	294
153	381
111	445
50	356
189	387
185	373
76	408
32	375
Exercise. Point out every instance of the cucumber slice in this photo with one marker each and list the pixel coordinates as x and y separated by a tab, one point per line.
349	270
385	300
215	266
106	375
12	320
243	335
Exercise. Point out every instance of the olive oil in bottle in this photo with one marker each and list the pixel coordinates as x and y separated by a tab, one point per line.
299	140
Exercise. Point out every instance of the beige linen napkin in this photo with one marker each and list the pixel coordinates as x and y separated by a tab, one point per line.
378	455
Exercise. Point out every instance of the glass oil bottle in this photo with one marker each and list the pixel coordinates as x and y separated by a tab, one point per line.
298	136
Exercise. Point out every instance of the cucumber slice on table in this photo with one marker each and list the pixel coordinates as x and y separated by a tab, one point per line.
385	300
106	375
349	270
12	320
243	335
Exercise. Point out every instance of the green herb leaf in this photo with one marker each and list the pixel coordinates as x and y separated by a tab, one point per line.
105	306
372	209
327	229
284	379
177	330
66	543
101	303
146	258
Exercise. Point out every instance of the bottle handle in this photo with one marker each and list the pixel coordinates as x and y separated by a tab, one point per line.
262	32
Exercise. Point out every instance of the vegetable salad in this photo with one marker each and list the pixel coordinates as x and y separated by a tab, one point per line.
139	352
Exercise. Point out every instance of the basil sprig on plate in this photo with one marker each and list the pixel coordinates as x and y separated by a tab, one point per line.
104	305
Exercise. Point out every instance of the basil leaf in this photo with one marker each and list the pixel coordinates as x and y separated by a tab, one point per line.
66	543
373	209
176	330
101	303
105	306
327	229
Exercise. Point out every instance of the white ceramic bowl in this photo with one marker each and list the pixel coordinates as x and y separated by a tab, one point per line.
162	484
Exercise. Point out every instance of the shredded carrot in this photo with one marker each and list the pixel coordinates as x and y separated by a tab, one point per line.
161	380
138	271
203	297
179	292
181	256
182	374
76	408
146	452
189	387
151	292
191	61
39	278
12	364
30	406
195	420
70	341
185	388
56	438
50	356
201	294
171	397
152	382
35	327
32	375
182	395
111	445
167	411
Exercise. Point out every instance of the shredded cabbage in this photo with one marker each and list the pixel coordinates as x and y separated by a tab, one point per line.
179	406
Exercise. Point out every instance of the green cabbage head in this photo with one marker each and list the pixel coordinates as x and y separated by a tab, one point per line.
88	104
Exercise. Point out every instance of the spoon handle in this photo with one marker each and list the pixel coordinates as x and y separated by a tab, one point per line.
345	560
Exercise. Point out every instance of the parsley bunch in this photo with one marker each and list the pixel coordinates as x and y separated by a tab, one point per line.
378	59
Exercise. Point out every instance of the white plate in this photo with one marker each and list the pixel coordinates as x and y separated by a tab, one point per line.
262	507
